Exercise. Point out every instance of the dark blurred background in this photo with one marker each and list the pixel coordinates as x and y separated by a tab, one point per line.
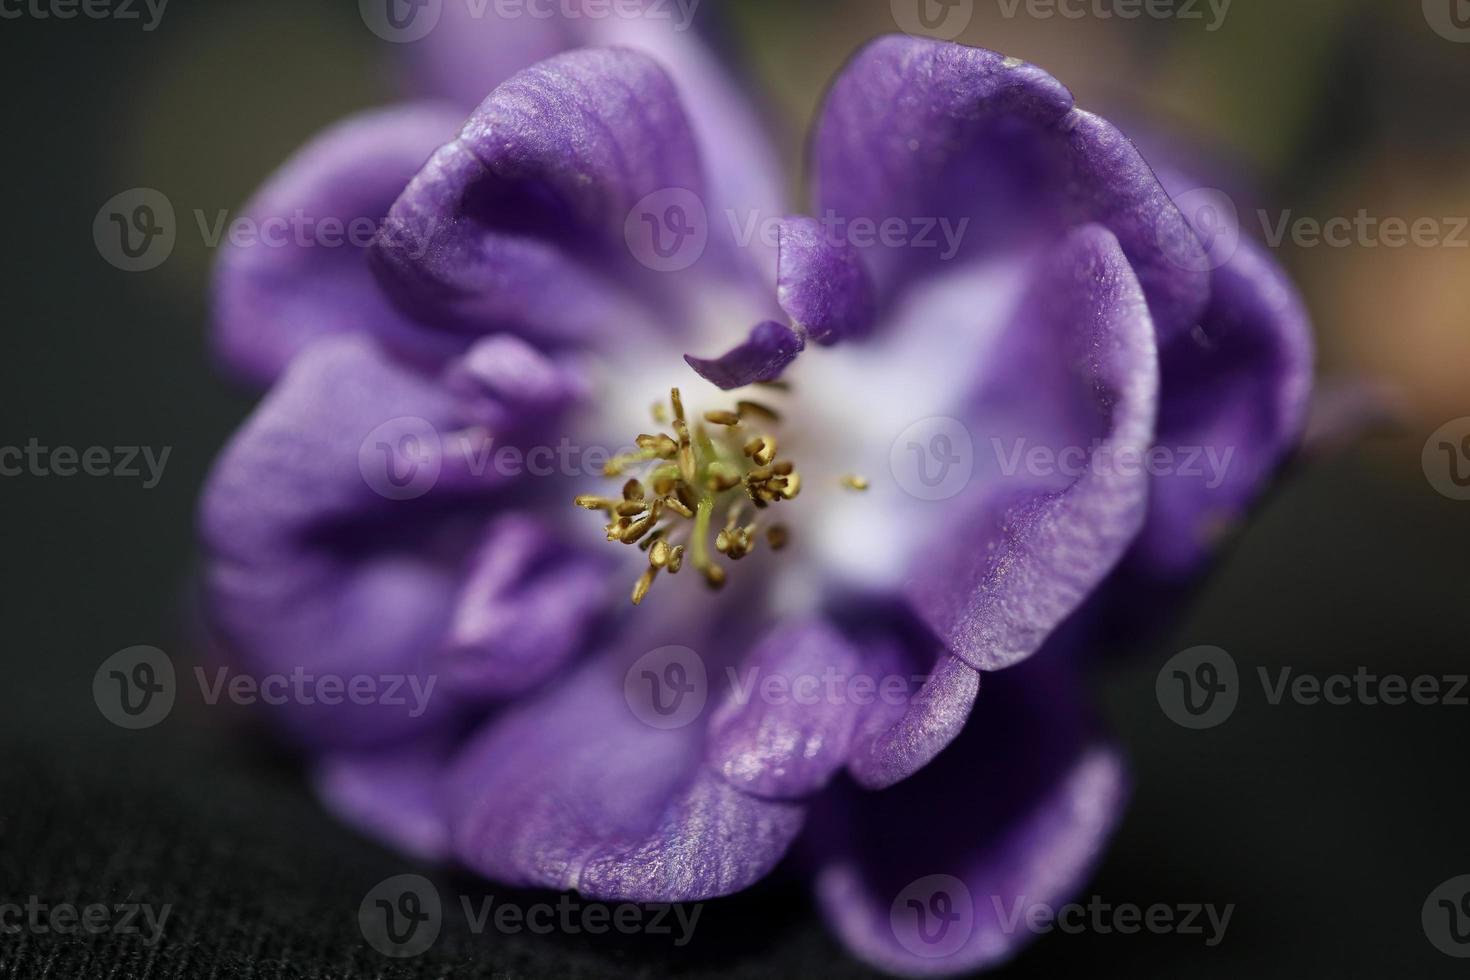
1326	826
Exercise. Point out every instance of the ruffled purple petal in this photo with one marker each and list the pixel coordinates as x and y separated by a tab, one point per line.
305	274
895	739
465	57
1015	813
1233	404
389	794
921	132
337	526
826	293
823	286
572	790
761	357
1075	373
788	718
527	604
518	225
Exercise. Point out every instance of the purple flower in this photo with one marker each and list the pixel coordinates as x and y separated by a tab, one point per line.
975	453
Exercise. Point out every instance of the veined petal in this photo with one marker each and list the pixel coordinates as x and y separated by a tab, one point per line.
306	274
521	219
472	50
572	790
788	718
927	133
826	293
336	525
1076	375
525	607
1234	401
1015	813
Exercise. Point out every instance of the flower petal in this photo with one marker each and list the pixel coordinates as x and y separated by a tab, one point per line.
1234	400
923	132
571	790
761	357
525	607
336	525
1015	813
306	274
1015	553
390	794
787	721
518	224
472	51
825	292
894	741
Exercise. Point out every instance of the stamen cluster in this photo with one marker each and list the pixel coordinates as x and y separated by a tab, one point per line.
668	510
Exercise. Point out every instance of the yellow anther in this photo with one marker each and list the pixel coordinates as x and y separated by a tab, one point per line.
644	583
854	482
757	408
674	483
